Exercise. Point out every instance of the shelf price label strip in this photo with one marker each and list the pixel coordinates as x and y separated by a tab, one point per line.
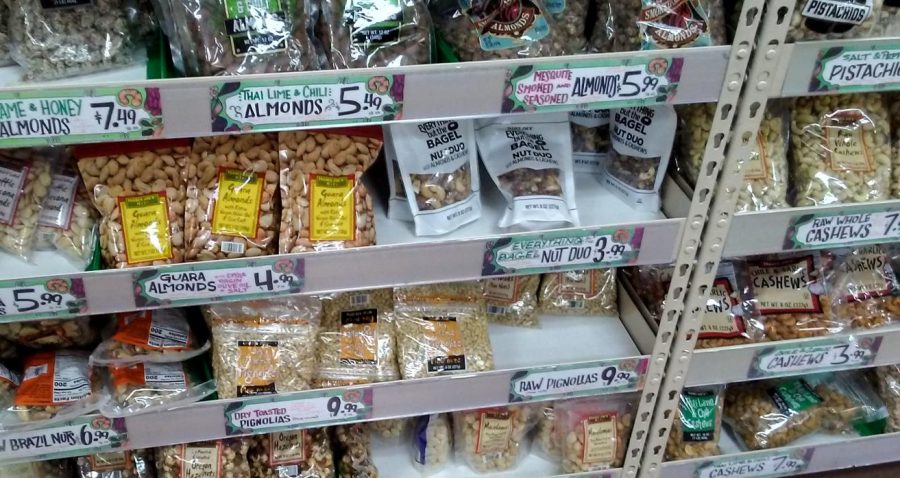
59	116
819	355
847	69
204	282
81	436
843	229
42	298
266	105
559	381
762	464
303	410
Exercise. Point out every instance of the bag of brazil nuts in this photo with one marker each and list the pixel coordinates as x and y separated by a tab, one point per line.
530	160
641	143
439	168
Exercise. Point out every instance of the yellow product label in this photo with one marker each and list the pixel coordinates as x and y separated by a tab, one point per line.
447	352
332	208
201	461
494	431
755	165
359	339
257	367
501	289
599	439
846	142
286	448
110	461
237	203
145	224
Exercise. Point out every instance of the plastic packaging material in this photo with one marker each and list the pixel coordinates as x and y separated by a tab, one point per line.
545	434
601	40
862	285
836	19
68	221
7	349
723	323
38	469
264	347
841	149
530	160
495	439
25	180
593	432
222	458
698	424
139	189
590	140
327	164
389	429
888	381
9	382
786	297
55	39
117	464
376	33
512	300
50	333
655	24
56	386
163	335
770	414
352	442
651	283
363	351
484	30
334	306
398	206
641	139
232	185
570	23
5	56
892	101
592	292
449	292
439	168
851	405
431	442
293	454
888	22
243	37
150	387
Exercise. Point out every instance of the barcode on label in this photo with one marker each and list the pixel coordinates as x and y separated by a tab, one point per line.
497	309
359	299
576	304
288	471
232	247
36	371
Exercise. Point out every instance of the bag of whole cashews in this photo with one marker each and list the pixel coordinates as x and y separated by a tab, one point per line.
25	179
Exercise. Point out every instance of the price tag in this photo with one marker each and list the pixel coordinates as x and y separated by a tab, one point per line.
770	464
34	298
284	104
210	281
299	410
564	250
575	380
819	355
591	84
817	231
41	117
856	68
83	436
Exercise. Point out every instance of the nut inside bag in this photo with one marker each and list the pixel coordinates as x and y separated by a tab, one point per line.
581	292
851	405
291	454
148	387
530	160
220	458
9	382
590	140
773	413
117	464
862	284
512	300
655	24
38	469
163	335
352	443
325	203
438	165
698	424
888	380
431	442
25	180
641	141
724	320
835	19
68	222
51	333
545	433
492	439
593	432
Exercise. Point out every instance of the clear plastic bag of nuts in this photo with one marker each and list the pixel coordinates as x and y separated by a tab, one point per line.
838	19
9	382
363	351
222	458
887	378
892	101
654	24
160	336
570	22
590	292
602	35
724	320
336	304
512	300
491	440
431	442
546	445
149	387
5	57
139	189
117	464
841	149
25	177
590	140
232	208
291	454
593	432
697	425
38	469
50	333
264	347
323	164
851	404
68	222
773	413
862	284
352	444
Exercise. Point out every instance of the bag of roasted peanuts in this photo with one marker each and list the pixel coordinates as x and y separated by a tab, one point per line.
219	458
581	292
698	424
38	469
724	320
117	464
51	333
834	19
641	141
655	24
150	386
593	432
68	222
159	336
773	413
491	440
439	168
352	443
431	443
232	208
325	203
139	189
841	149
291	454
530	160
512	300
590	140
25	180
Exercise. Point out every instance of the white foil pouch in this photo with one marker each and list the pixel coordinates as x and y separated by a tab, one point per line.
640	147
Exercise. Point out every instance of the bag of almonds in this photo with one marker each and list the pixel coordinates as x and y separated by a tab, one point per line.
291	454
68	222
862	285
232	209
325	204
698	424
139	189
593	432
25	180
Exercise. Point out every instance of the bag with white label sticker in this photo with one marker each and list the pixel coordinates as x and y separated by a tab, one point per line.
219	458
117	464
232	208
25	181
439	169
51	333
362	351
593	432
590	140
38	469
641	141
398	206
9	382
590	292
56	386
149	387
852	406
862	284
833	19
491	440
161	336
698	424
512	300
431	442
68	222
773	413
530	160
291	454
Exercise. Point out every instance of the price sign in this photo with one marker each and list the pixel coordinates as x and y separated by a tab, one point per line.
299	410
41	117
766	464
284	104
564	250
591	84
77	437
856	68
817	231
611	376
819	355
39	298
209	281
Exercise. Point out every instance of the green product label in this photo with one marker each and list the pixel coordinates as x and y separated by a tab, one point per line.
845	69
373	22
256	26
698	416
794	397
